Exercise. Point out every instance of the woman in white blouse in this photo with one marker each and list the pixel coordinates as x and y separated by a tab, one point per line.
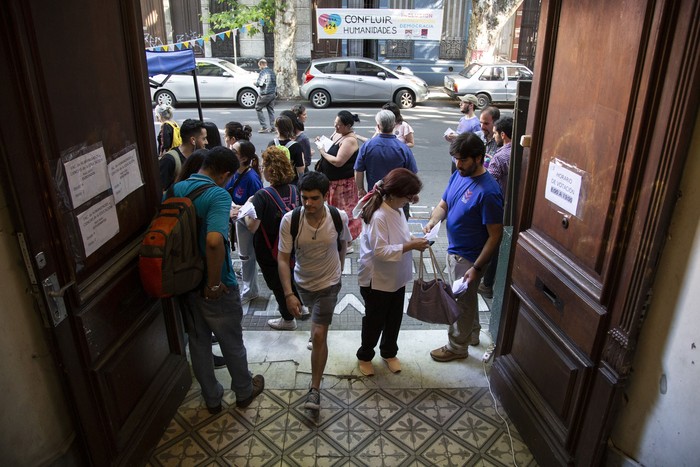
385	265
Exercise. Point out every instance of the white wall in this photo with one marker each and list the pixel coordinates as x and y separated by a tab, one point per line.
660	423
35	426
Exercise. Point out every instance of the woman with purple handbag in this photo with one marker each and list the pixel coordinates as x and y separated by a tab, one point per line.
385	265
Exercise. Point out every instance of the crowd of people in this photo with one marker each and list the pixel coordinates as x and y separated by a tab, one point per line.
296	223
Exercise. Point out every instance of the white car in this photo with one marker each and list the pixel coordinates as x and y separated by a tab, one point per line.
492	82
357	79
219	81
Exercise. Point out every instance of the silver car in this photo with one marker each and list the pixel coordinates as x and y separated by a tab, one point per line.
496	82
355	79
219	81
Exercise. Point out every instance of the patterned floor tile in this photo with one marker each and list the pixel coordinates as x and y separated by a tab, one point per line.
349	431
286	430
382	452
447	451
263	409
186	452
405	395
316	451
411	430
437	407
222	432
252	452
378	407
473	429
194	411
501	451
350	394
174	430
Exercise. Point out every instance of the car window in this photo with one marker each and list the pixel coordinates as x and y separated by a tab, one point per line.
469	71
493	73
208	69
368	69
334	68
517	72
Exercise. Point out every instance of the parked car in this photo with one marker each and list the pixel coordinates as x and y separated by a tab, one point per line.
493	82
219	81
356	79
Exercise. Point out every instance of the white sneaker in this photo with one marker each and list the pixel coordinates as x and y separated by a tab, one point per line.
349	249
305	313
282	325
310	344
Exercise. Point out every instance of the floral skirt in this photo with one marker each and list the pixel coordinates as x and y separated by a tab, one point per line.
343	195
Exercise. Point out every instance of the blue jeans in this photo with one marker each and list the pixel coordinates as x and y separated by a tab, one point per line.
460	332
223	318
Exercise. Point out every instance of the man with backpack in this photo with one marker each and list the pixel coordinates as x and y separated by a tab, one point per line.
216	305
319	251
194	136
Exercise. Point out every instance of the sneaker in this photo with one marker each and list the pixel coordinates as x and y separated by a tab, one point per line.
258	386
444	355
366	368
263	130
475	338
271	130
310	344
394	364
282	324
249	299
219	362
305	313
486	291
313	400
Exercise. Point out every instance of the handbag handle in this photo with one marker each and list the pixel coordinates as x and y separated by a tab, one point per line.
433	261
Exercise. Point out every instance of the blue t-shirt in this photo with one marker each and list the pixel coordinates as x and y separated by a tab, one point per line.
213	208
472	203
249	185
468	124
382	154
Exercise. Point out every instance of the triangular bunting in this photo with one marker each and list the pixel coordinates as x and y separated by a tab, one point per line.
200	42
228	33
178	46
165	47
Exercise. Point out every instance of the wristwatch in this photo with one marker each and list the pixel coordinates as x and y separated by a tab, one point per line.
214	288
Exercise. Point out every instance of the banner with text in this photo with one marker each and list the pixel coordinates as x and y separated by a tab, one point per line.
347	23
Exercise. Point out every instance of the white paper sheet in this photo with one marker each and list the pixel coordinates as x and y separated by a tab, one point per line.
98	224
87	176
324	142
247	210
459	286
433	234
449	132
124	175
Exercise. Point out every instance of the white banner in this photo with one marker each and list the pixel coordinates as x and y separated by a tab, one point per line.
347	23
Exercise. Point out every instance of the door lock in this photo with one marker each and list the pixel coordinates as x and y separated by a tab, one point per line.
54	298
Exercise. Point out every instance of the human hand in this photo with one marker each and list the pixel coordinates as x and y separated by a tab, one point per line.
428	227
420	244
293	305
233	213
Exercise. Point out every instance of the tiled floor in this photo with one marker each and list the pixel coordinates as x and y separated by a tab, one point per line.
430	414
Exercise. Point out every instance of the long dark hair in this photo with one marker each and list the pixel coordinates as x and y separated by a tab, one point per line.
238	131
246	152
399	183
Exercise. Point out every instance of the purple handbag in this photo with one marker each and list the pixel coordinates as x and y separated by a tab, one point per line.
432	301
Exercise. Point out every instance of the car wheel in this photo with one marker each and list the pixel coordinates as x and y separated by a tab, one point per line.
320	99
405	99
165	98
247	98
483	100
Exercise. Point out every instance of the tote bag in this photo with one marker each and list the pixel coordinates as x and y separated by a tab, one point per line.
432	301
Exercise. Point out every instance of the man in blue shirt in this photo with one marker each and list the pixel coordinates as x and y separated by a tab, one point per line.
216	306
472	204
267	83
382	154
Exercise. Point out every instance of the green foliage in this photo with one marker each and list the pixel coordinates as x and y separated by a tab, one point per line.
241	15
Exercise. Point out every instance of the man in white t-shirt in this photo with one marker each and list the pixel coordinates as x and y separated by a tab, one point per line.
319	259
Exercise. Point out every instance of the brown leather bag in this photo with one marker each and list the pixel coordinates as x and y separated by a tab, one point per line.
432	301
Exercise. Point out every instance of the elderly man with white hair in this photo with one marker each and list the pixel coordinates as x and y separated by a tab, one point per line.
382	154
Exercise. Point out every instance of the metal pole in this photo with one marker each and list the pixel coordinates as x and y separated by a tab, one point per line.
235	51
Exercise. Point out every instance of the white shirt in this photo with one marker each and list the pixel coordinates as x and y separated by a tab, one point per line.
317	260
382	261
402	130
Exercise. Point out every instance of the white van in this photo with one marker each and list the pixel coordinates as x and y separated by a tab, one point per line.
493	82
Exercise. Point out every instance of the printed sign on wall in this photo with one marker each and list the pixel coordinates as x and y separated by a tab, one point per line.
348	23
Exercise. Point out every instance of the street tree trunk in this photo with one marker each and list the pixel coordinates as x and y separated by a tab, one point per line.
285	50
488	16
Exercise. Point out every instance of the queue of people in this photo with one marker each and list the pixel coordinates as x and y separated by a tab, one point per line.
304	222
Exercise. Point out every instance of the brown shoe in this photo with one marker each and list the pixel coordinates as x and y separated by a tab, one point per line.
444	355
366	368
258	386
394	364
475	338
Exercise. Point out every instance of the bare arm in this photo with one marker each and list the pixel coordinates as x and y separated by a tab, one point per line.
360	183
438	214
409	139
346	150
495	233
215	253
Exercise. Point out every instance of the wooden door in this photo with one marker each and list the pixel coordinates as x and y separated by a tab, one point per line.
615	93
75	110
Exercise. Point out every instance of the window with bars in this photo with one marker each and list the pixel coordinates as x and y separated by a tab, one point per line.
453	48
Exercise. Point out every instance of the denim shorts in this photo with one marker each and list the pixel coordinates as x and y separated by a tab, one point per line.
321	303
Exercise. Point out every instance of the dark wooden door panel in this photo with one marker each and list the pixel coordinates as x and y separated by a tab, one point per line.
615	84
74	76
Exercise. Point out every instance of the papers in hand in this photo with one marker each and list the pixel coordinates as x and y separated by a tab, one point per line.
450	131
459	286
324	142
247	210
433	234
